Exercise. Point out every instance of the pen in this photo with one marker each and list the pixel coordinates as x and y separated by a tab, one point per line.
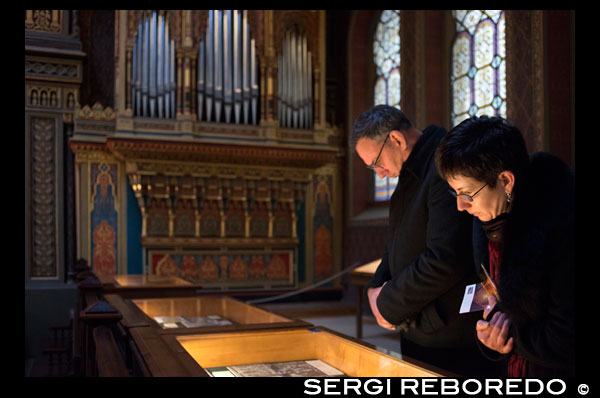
487	276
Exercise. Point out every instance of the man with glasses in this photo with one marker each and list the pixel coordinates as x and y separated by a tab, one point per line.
419	284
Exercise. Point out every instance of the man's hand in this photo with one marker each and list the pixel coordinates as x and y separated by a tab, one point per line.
373	293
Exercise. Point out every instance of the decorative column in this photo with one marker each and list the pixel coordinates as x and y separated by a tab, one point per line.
525	90
52	84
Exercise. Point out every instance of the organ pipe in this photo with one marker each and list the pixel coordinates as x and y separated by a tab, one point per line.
245	61
160	59
153	77
227	70
166	73
237	67
218	62
295	81
227	65
200	83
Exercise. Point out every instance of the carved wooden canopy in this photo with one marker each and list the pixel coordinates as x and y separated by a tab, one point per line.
231	154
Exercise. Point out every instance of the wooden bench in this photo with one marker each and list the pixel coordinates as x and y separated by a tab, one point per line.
109	362
96	315
59	351
91	312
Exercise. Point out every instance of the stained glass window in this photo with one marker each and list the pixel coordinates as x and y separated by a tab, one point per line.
478	77
386	54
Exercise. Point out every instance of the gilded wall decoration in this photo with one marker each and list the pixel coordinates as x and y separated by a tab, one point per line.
51	97
231	205
323	226
44	97
44	20
260	207
236	212
184	218
158	217
249	268
104	218
95	112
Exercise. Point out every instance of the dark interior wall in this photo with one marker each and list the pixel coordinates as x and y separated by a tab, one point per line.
360	98
97	32
336	46
365	239
560	64
45	306
434	68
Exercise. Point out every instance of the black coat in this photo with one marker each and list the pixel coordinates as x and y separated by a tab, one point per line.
536	281
429	257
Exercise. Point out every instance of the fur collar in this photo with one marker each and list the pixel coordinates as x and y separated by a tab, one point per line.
542	217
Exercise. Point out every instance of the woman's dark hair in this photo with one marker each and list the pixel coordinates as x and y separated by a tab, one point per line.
481	148
377	122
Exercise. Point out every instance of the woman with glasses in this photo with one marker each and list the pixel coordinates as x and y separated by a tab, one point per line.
523	237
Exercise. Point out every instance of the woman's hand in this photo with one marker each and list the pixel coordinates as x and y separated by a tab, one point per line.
494	333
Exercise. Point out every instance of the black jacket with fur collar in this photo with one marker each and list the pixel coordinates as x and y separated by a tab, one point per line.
537	276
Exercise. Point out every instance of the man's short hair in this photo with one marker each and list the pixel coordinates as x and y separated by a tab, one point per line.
377	122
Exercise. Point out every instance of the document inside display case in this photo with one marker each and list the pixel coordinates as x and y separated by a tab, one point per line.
175	322
249	352
307	368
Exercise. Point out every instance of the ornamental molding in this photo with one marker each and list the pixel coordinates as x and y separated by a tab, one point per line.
208	170
208	242
219	153
96	112
55	69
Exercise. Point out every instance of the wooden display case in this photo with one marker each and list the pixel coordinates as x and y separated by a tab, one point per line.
352	357
148	286
141	312
149	280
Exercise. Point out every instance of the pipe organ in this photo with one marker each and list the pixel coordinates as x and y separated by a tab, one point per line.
295	81
153	65
216	163
227	83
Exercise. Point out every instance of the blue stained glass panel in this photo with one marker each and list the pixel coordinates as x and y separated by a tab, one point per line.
386	55
478	80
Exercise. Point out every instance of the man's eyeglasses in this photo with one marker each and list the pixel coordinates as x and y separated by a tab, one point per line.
374	165
464	196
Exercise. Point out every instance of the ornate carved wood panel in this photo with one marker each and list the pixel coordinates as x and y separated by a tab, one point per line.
53	74
44	198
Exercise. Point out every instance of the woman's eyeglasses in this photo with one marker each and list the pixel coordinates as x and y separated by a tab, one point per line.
464	196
